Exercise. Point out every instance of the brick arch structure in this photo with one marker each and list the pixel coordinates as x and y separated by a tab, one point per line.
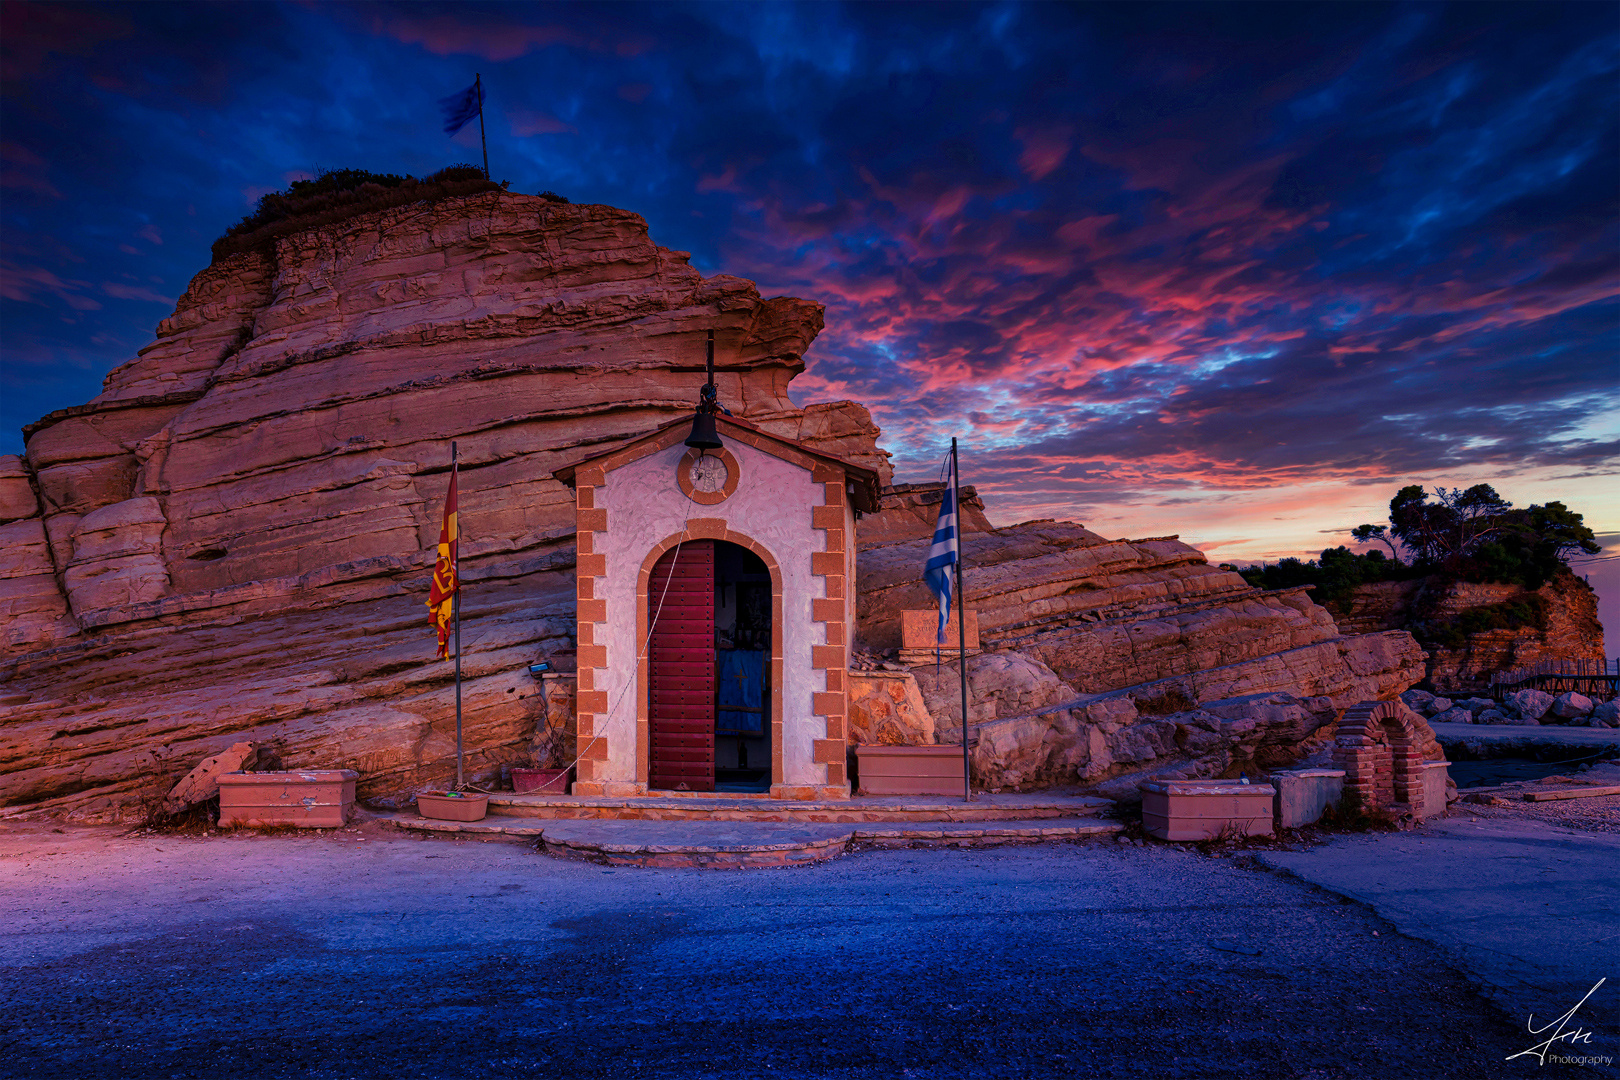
644	663
1378	748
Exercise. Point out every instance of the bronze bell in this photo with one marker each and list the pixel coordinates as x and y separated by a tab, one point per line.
704	436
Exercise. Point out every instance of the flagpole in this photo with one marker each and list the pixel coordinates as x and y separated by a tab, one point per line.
455	605
961	618
478	84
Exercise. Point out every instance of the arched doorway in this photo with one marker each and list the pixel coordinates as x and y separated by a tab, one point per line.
709	678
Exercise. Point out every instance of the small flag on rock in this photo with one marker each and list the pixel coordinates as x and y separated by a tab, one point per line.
442	596
943	554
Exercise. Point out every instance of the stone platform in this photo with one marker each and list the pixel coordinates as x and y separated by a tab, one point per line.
672	806
1544	742
734	845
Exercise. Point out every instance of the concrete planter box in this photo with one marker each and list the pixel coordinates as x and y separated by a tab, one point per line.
316	799
1434	774
443	806
909	770
1205	809
540	781
1302	795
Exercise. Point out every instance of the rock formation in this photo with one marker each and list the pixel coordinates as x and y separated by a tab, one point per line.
233	541
1453	620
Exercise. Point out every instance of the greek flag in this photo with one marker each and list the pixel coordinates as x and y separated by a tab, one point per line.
459	109
943	555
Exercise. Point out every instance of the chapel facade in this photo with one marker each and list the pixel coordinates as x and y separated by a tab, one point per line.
715	614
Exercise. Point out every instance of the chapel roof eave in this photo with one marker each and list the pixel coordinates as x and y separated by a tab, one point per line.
864	486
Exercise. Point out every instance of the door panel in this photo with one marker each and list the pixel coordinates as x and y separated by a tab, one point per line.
680	699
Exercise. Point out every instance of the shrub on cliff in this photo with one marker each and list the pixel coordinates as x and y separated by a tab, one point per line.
339	194
1453	633
1334	576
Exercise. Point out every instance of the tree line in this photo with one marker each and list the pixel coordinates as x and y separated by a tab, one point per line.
1467	534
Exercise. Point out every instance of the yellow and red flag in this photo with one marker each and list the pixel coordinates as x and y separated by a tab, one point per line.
442	596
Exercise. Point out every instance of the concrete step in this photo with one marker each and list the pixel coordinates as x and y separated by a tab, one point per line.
733	845
915	808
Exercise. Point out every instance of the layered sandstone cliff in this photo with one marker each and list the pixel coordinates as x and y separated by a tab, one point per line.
1096	643
234	539
1475	631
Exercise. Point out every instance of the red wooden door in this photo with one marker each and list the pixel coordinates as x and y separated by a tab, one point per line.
681	694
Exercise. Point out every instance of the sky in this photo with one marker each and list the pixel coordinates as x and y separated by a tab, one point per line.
1236	272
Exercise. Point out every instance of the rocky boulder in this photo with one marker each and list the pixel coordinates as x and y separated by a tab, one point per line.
1418	701
1000	684
233	541
1529	705
1454	715
1570	705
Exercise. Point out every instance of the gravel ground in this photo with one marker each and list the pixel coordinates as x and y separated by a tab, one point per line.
368	955
1600	814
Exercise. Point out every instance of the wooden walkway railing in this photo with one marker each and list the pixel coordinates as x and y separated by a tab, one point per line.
1594	678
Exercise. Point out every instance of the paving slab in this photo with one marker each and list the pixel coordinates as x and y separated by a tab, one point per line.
669	806
1529	910
727	844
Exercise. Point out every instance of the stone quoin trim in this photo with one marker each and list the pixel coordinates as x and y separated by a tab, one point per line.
832	610
1377	747
591	692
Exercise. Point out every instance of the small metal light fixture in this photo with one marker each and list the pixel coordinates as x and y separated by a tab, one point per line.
704	436
536	669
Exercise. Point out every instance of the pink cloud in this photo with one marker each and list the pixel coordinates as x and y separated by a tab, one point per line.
448	35
23	170
725	181
526	123
1044	149
30	285
131	292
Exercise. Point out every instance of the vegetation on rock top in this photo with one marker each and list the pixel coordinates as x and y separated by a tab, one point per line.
1471	535
1462	535
1334	575
339	194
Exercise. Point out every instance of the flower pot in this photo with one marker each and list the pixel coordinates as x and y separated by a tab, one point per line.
540	781
311	799
909	770
1205	809
445	806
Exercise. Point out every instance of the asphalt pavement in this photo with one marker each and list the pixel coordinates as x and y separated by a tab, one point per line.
1529	910
363	954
